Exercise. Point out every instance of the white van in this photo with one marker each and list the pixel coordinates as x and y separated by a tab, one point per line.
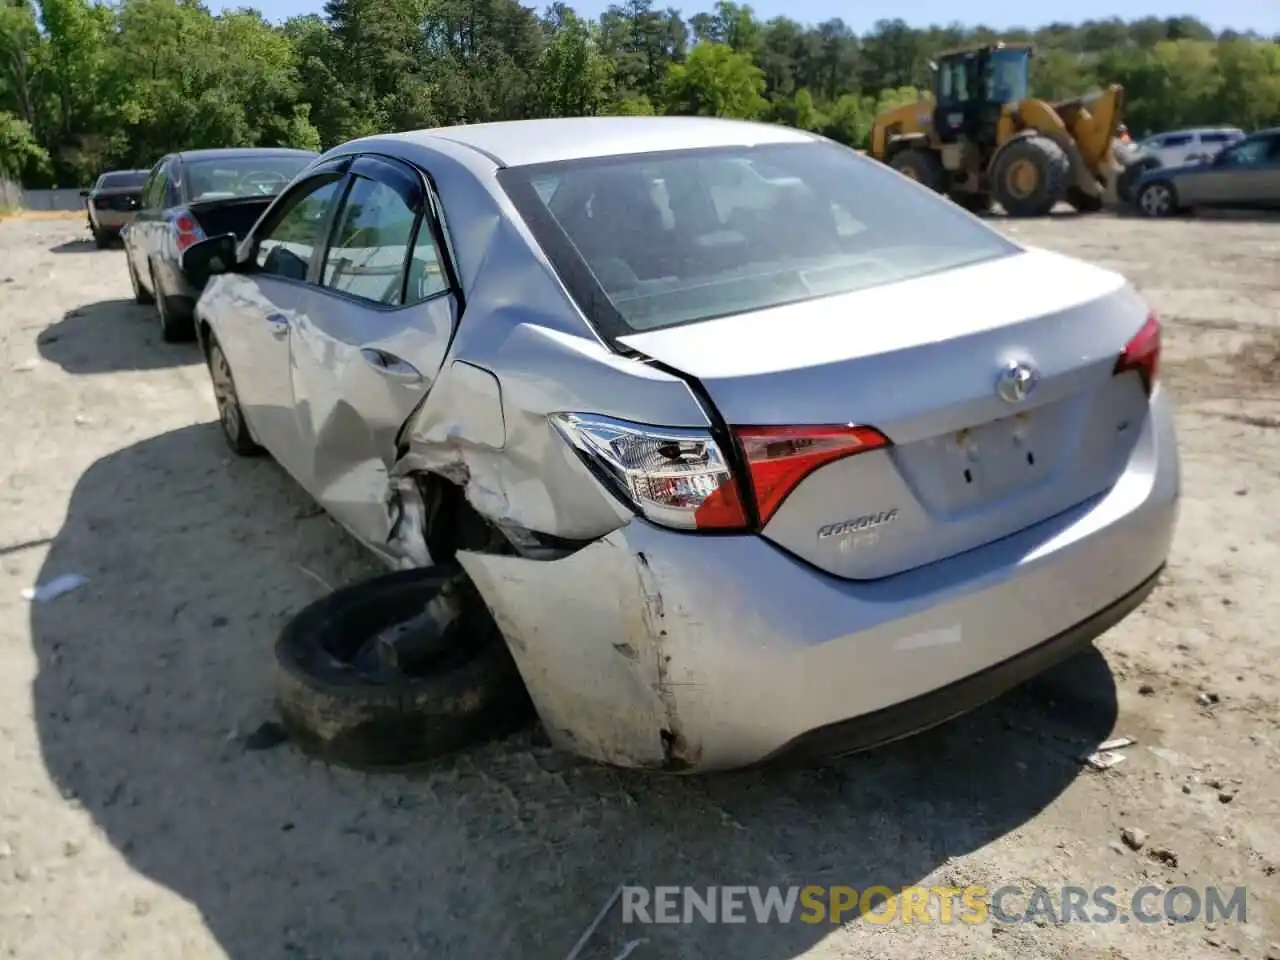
1177	147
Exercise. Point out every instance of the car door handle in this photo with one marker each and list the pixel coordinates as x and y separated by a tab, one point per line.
391	364
279	325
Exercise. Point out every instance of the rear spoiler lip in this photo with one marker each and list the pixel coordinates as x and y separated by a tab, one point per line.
196	206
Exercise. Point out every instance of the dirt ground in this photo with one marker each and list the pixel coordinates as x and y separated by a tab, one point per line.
138	819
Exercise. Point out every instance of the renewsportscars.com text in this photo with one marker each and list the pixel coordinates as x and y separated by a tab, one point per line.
932	905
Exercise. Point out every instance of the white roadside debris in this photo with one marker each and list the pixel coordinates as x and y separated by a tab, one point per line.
1107	755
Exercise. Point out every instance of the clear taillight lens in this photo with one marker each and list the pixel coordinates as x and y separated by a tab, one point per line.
673	476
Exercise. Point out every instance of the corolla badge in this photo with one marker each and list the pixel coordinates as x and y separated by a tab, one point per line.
1016	381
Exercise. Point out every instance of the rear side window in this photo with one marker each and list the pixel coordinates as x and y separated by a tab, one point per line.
672	238
1215	138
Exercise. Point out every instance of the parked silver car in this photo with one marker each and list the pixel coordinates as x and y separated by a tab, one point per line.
112	202
776	450
1246	175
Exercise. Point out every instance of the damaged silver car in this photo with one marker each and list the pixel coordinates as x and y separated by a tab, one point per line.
751	445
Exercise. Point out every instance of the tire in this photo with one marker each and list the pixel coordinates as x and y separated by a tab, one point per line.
101	240
471	692
978	203
235	429
175	325
1157	199
1130	176
921	165
1083	202
1030	177
139	294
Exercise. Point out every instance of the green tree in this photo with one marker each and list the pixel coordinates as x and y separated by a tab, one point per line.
715	82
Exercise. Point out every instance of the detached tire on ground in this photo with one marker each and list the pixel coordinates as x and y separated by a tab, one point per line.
342	704
921	165
1031	176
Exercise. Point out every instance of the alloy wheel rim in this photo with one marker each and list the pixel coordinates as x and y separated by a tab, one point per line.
224	393
1156	200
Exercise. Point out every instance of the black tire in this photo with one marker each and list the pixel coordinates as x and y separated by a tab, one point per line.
1083	202
921	165
1052	176
974	202
1159	198
102	240
235	430
471	693
140	295
1131	174
176	325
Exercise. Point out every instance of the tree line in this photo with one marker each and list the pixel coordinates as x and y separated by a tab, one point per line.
86	86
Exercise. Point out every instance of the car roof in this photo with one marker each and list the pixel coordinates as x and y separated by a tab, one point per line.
232	153
518	143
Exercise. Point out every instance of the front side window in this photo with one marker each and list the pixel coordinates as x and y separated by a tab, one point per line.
285	248
153	193
241	175
1248	153
674	238
1178	140
367	255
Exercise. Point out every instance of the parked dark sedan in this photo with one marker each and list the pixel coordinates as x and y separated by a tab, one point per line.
190	196
1244	175
112	202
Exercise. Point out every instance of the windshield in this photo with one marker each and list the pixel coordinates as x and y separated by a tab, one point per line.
241	176
128	178
1007	75
673	238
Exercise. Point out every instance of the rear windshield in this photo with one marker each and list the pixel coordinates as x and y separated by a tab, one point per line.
242	176
673	238
128	178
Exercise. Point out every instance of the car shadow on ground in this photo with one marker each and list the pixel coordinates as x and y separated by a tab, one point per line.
151	675
75	246
109	337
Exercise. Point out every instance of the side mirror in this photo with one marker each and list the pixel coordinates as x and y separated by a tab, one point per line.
210	257
84	193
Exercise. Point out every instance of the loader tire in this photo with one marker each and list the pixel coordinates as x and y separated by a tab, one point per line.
1031	176
923	166
336	707
1083	202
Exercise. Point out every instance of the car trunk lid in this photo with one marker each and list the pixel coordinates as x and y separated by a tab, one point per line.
920	361
121	199
235	215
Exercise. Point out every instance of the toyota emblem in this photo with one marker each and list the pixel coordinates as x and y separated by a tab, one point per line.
1016	382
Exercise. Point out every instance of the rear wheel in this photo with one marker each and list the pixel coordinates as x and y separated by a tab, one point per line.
1030	177
974	202
101	240
176	326
921	165
235	430
397	671
1084	202
140	295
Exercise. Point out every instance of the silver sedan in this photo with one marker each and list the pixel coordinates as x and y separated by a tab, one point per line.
751	444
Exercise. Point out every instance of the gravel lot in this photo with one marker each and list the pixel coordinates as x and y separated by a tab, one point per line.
136	819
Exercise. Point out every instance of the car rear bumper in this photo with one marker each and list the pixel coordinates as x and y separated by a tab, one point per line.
112	221
674	651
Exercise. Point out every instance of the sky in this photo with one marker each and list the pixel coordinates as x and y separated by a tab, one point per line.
1260	15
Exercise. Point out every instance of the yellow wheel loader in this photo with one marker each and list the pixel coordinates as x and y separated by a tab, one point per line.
982	138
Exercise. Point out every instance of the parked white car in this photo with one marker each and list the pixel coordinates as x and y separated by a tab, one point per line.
1177	147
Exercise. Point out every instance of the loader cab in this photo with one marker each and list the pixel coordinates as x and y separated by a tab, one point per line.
972	87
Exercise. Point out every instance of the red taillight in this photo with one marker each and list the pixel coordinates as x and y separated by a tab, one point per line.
1142	353
188	232
778	458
